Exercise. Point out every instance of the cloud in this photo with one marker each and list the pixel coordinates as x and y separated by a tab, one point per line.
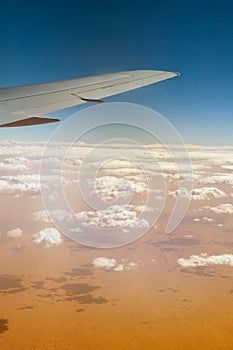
221	209
204	193
117	216
227	167
220	178
47	237
205	260
205	218
30	184
105	263
208	219
185	176
144	208
130	171
207	193
17	232
41	216
131	266
180	192
20	184
14	164
56	214
111	264
211	155
119	268
110	187
120	164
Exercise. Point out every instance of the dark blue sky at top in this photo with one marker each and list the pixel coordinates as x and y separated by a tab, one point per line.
46	41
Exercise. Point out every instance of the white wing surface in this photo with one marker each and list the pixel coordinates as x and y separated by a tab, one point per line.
27	105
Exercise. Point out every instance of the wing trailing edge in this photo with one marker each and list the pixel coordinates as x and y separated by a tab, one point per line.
27	105
29	122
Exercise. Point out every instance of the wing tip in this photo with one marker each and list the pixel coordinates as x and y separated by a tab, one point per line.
156	72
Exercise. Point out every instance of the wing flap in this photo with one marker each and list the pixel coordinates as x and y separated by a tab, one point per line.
29	122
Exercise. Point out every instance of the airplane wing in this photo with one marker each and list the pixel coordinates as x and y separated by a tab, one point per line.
27	105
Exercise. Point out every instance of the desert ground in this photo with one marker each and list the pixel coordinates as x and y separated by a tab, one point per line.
168	291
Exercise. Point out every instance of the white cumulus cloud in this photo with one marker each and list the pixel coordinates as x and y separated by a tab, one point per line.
220	178
110	187
14	164
20	184
105	263
204	193
57	214
117	216
47	237
205	260
205	218
225	208
207	193
112	264
17	232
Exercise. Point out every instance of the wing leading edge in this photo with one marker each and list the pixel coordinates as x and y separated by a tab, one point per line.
27	105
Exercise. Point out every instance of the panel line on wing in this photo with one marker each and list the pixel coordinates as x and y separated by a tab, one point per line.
61	90
80	87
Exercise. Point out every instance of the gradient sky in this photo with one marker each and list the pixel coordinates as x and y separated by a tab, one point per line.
53	41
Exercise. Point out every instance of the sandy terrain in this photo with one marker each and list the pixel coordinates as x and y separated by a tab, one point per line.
56	297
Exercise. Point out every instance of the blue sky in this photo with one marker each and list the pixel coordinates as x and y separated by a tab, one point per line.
48	41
